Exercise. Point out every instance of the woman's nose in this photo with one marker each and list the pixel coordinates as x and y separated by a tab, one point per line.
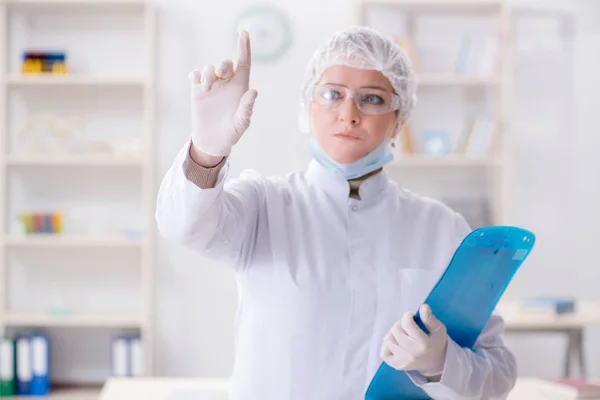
349	112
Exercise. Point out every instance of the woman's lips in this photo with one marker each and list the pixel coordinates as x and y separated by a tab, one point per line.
345	135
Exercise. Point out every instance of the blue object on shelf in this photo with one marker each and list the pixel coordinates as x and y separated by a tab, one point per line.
132	234
435	143
555	304
464	298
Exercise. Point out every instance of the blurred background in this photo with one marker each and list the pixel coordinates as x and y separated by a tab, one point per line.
94	106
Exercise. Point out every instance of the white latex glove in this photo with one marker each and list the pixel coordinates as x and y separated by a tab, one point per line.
407	347
221	102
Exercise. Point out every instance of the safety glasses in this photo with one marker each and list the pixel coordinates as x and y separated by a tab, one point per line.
369	101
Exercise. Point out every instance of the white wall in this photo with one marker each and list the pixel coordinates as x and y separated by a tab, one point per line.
196	299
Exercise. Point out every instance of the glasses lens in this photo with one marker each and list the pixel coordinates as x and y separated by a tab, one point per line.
375	101
329	96
368	101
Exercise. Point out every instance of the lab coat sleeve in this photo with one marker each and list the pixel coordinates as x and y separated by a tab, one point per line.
219	222
488	371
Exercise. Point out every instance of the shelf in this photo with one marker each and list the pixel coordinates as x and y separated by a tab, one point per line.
438	4
447	161
456	80
43	240
66	393
127	3
43	320
73	80
18	160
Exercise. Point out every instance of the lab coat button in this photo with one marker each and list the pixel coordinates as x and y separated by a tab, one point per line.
355	208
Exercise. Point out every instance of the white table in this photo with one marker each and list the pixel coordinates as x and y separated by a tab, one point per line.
164	389
572	325
527	389
203	389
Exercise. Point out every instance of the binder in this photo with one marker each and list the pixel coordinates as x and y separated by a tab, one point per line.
40	354
7	367
136	355
24	372
127	356
120	357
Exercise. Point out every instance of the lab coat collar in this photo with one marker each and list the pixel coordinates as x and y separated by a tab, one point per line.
339	188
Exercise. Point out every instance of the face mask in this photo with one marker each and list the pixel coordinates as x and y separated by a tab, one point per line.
380	156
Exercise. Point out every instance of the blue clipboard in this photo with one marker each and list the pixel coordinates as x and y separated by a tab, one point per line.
464	297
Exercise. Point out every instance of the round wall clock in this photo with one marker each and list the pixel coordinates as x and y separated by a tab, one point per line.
270	32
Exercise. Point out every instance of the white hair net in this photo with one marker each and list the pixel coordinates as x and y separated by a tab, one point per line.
364	48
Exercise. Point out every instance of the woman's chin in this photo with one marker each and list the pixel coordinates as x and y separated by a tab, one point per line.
345	158
345	151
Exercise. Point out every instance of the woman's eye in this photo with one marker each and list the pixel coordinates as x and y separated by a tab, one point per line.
373	99
330	95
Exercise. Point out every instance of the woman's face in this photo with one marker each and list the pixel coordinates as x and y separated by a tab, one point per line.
346	133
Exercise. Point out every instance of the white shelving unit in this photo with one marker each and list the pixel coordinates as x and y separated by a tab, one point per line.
139	166
439	5
71	241
446	161
496	167
101	3
442	80
67	81
72	161
31	320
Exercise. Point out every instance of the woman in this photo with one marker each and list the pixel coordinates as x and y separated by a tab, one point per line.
331	261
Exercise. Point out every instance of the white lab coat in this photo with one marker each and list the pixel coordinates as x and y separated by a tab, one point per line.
322	277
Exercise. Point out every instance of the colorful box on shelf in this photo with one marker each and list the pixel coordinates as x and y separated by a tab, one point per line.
41	222
36	62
